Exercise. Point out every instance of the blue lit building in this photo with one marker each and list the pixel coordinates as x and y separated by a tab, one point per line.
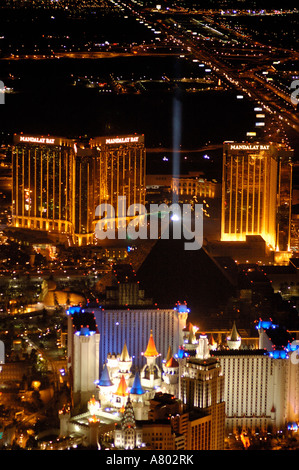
133	327
95	332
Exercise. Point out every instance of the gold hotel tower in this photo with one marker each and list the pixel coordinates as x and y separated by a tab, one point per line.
121	169
57	184
256	193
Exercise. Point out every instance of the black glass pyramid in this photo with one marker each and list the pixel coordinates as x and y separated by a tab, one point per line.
170	274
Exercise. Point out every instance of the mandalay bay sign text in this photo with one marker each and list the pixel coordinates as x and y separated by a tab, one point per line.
162	221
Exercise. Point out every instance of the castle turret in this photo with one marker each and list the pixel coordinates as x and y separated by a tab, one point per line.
86	363
170	382
93	406
234	340
112	362
151	373
190	341
169	354
121	394
138	396
212	343
137	388
105	387
183	312
125	362
151	350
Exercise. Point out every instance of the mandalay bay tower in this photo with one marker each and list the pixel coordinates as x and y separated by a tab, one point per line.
58	183
256	193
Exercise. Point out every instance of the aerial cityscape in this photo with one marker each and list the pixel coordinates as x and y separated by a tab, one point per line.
149	227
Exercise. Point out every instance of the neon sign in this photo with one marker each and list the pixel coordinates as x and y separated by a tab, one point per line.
37	140
249	147
121	140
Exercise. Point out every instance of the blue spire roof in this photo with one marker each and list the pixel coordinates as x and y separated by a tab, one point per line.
180	353
136	387
105	378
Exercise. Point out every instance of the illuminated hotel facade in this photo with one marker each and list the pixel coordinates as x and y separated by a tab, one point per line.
43	183
256	193
120	173
133	327
57	185
261	385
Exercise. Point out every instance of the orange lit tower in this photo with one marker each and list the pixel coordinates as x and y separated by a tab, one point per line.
122	387
151	350
256	193
121	394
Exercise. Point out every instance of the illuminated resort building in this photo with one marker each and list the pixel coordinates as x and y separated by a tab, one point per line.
185	187
43	183
202	388
256	193
261	384
57	184
194	185
134	327
120	173
132	410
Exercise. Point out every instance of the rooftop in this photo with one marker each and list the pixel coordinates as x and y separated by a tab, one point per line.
206	363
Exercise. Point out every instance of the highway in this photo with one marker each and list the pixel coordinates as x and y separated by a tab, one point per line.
249	84
266	96
140	50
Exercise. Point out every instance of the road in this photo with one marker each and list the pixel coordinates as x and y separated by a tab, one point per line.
141	51
261	94
202	51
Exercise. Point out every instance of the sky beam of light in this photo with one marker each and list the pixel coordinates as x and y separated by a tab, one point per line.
176	139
